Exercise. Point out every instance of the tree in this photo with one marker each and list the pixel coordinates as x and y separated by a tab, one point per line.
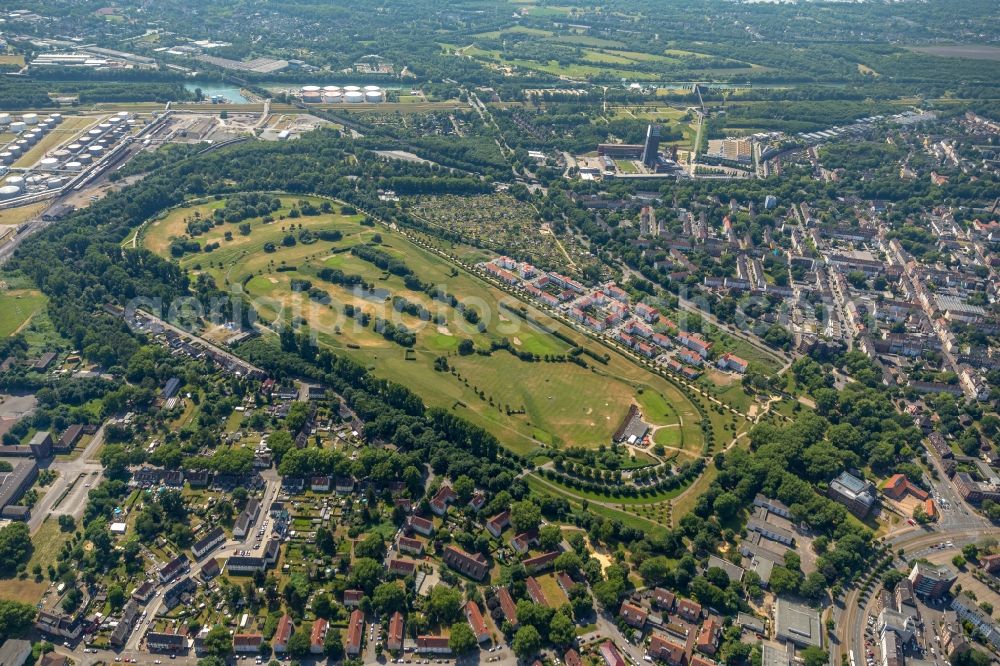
958	561
333	646
550	537
300	642
67	523
218	642
655	570
15	548
365	574
561	630
527	642
814	656
116	596
373	546
525	516
389	597
462	639
444	604
15	618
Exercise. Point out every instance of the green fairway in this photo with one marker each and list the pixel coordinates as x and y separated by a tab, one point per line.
549	401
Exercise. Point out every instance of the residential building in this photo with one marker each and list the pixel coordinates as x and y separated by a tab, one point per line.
535	591
279	642
247	643
689	610
163	642
14	652
611	655
208	542
662	649
355	633
475	618
507	606
473	566
709	637
394	636
317	637
633	615
968	610
433	645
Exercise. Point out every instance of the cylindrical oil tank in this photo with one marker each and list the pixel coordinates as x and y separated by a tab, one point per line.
96	151
56	118
354	97
74	147
84	158
54	183
372	88
48	163
17	126
373	96
73	166
15	150
9	192
62	155
30	118
6	157
5	119
31	137
330	89
94	133
311	97
348	89
15	181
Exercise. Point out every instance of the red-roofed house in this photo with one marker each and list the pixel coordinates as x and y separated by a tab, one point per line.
420	525
394	638
507	606
401	567
352	598
473	566
433	644
611	655
540	562
633	615
572	658
695	343
991	563
689	610
522	542
411	546
732	362
442	500
565	582
535	591
663	598
317	639
247	643
355	633
476	621
709	636
498	523
663	650
477	502
279	642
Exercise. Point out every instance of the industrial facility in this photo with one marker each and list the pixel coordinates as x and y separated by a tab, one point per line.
341	95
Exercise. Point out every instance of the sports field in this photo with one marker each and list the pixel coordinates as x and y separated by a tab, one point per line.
526	404
17	307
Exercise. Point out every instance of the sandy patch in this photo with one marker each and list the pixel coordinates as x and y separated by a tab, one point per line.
272	280
517	341
443	330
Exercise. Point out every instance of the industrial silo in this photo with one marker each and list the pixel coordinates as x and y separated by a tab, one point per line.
373	96
74	166
30	118
17	126
354	97
9	192
48	163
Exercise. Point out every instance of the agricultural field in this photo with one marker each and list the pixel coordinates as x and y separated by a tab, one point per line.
505	225
527	404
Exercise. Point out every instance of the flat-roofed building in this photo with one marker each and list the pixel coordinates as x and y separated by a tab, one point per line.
797	624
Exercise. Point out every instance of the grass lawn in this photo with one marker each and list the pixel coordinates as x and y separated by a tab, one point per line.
9	59
47	542
21	214
17	306
525	404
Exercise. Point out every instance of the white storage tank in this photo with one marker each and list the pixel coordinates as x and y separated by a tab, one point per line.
372	89
48	163
15	150
74	147
55	118
331	89
312	97
354	97
54	183
96	151
62	155
348	89
31	138
4	119
84	158
373	96
124	115
35	180
15	181
17	126
73	166
332	97
6	157
94	133
9	192
30	118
